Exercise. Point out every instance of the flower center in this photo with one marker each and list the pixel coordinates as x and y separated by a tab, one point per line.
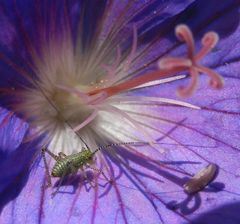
71	108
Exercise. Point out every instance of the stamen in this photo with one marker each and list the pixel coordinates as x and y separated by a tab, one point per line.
133	50
114	110
111	69
146	99
86	121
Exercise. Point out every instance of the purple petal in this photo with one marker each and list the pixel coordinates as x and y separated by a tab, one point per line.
148	188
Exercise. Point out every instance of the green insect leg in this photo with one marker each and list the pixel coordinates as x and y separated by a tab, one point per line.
86	177
61	155
60	183
99	171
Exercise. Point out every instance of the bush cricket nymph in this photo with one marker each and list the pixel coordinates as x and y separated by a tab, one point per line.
200	180
70	164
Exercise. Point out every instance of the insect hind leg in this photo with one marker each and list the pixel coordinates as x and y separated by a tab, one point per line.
55	157
61	155
45	150
86	178
49	182
99	171
59	184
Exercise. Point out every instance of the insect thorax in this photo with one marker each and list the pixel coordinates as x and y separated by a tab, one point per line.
82	158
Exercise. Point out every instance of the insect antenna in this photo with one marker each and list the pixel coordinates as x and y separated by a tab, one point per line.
124	143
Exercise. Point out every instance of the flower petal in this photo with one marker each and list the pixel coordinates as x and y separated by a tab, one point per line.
148	185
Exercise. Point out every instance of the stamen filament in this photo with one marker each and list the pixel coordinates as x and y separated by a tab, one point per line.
86	121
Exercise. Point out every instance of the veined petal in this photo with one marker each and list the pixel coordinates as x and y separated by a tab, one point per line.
146	182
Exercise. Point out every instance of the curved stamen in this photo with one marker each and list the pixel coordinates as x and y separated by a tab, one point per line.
113	109
133	50
86	121
111	69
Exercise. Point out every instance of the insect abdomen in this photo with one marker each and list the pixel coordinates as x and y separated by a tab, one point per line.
60	168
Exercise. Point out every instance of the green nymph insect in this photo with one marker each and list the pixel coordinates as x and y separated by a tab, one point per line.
70	164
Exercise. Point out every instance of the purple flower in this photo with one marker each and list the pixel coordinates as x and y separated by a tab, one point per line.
100	72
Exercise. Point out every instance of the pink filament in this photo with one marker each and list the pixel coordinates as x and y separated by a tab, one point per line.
133	50
168	67
86	121
114	110
111	69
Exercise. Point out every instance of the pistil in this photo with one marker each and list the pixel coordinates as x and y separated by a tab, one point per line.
171	65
